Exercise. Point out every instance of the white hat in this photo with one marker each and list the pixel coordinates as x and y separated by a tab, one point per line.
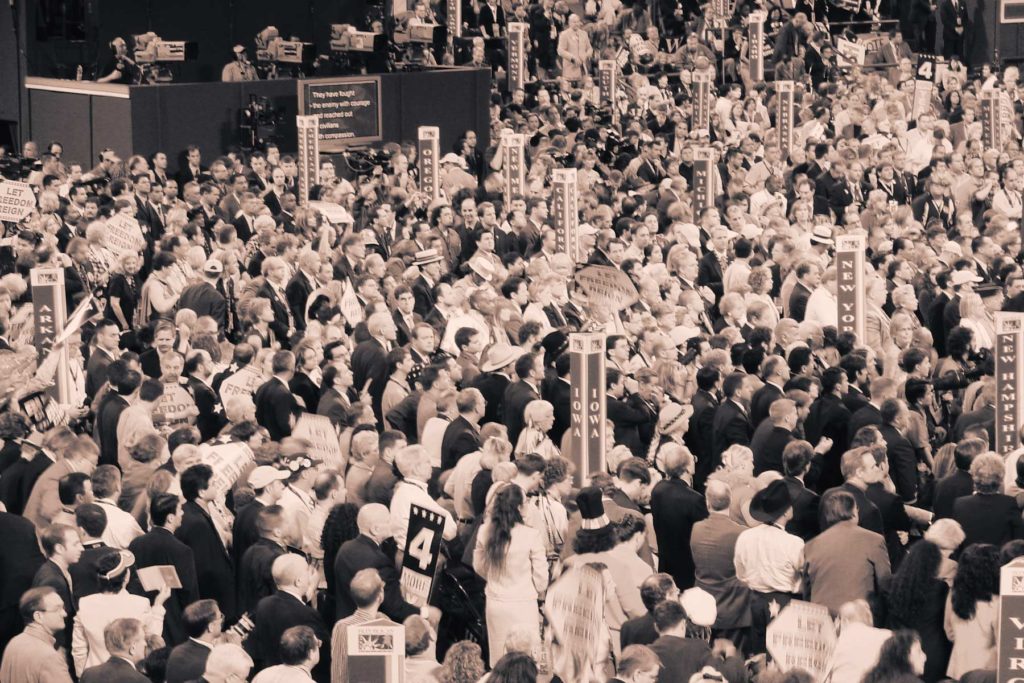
700	607
822	234
262	476
453	158
483	268
427	256
213	267
962	277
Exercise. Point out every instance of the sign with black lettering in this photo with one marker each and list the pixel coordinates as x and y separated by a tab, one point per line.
755	36
850	284
1009	380
50	314
565	211
349	110
422	549
785	97
177	407
518	35
429	138
607	80
703	178
588	408
802	635
16	200
702	107
309	154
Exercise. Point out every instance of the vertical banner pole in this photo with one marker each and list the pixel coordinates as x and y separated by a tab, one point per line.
588	409
1009	633
513	146
607	80
565	210
454	19
702	109
850	284
50	314
991	120
755	41
786	100
429	143
703	179
518	34
309	155
1009	380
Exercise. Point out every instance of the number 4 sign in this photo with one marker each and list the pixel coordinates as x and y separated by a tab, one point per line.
422	549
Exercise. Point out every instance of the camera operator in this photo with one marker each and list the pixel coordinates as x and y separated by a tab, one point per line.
123	69
240	69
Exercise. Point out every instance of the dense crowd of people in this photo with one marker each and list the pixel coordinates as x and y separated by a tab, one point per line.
754	454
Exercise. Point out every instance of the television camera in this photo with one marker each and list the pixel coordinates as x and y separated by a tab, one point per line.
152	55
275	54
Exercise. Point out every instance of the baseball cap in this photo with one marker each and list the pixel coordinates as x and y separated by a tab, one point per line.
213	266
263	475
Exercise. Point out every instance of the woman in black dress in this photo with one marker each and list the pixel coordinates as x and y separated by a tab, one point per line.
916	600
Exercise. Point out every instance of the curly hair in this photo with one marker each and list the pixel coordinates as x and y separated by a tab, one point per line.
339	527
894	658
14	426
556	471
505	515
977	579
911	584
462	664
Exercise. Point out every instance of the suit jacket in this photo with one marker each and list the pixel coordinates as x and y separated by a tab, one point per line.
984	417
804	522
275	405
204	299
828	417
276	614
699	435
302	386
83	573
868	515
211	417
768	443
215	574
297	292
988	518
107	415
517	395
19	563
160	547
731	425
187	662
949	489
423	294
279	306
369	362
865	416
638	631
558	397
951	19
713	544
902	462
460	438
628	421
492	385
363	553
761	401
844	563
96	373
114	670
676	508
709	273
255	580
242	227
404	330
798	302
333	405
680	657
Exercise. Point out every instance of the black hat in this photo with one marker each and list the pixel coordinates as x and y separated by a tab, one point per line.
554	344
771	502
989	289
591	509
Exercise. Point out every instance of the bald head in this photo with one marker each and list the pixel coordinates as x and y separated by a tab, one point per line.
227	662
718	495
373	519
781	411
289	569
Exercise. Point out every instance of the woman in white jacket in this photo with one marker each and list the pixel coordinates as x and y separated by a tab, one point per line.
96	611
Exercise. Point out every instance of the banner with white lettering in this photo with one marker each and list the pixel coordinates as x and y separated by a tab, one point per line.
228	459
50	314
1010	631
309	154
991	120
16	200
607	80
587	408
786	112
703	103
703	179
422	550
518	37
1009	352
322	436
453	18
429	139
755	37
565	214
513	165
850	284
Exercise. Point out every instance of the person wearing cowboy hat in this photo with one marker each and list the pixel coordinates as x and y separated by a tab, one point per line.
495	376
455	174
769	560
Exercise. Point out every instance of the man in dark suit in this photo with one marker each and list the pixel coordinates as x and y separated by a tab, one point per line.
626	420
954	27
856	368
681	657
429	263
712	264
215	574
530	371
126	642
276	407
300	286
861	469
988	516
731	424
558	395
301	384
985	416
335	401
773	435
462	436
203	297
192	171
255	577
775	373
123	383
369	360
882	389
494	379
829	418
211	418
203	623
62	547
364	552
676	507
91	520
900	452
404	315
19	563
797	461
642	401
698	437
275	272
808	277
159	547
105	351
958	484
640	630
286	608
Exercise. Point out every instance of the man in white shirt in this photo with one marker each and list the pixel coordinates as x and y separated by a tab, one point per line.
821	304
122	528
414	464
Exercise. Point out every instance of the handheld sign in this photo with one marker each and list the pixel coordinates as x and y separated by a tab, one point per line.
564	210
1009	353
124	235
228	459
40	410
375	652
607	286
16	200
922	102
850	284
422	549
518	35
245	382
574	607
309	154
587	407
322	437
785	96
429	143
176	406
802	636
